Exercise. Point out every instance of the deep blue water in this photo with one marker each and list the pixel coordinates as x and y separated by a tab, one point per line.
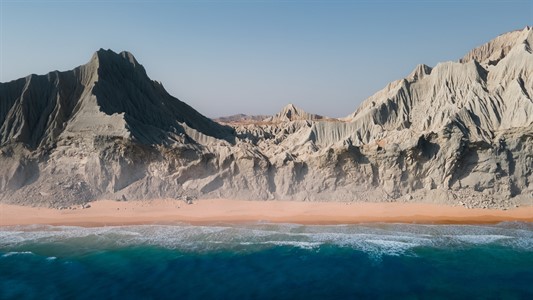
268	261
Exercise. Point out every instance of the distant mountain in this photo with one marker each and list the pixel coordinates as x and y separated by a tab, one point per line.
292	113
287	114
459	133
241	118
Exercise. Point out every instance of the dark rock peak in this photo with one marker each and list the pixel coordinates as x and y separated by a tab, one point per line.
35	110
112	61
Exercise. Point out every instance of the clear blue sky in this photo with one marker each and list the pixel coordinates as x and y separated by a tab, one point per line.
227	57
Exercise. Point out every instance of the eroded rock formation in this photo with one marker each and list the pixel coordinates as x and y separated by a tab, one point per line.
458	133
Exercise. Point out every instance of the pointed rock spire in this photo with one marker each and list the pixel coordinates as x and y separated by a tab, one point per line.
292	113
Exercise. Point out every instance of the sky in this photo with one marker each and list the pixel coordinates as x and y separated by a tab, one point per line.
254	57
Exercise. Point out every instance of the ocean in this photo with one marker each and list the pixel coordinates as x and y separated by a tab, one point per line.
268	261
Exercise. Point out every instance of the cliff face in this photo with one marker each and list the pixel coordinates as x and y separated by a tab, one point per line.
458	133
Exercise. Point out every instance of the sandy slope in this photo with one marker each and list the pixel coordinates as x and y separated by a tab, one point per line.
107	212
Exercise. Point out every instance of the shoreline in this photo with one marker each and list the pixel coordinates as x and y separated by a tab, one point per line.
210	211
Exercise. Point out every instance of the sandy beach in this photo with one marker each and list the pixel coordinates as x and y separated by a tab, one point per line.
108	212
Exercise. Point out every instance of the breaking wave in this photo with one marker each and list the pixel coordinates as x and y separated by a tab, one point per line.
374	239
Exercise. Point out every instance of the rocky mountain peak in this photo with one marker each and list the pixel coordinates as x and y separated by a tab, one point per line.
292	113
109	96
419	72
490	53
488	90
110	61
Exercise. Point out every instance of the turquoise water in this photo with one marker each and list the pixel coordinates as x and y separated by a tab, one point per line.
268	261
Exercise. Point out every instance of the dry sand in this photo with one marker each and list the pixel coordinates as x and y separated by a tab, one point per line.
107	212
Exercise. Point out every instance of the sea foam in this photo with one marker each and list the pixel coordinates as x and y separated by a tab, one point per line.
374	239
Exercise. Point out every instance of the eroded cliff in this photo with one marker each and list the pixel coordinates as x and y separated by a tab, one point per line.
458	133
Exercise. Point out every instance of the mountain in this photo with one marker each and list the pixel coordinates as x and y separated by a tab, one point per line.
292	113
85	129
287	114
241	118
487	91
459	133
109	96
